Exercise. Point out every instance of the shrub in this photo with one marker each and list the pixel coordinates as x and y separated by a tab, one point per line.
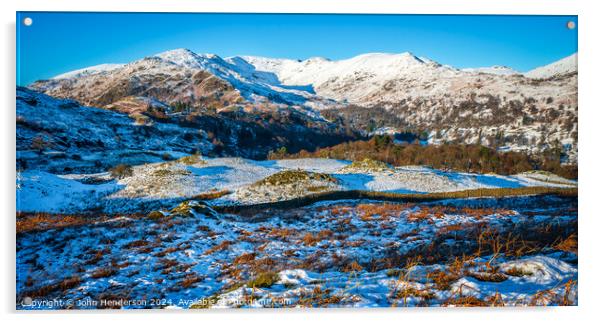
121	171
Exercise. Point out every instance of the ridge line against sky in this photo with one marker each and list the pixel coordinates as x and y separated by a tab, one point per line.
60	42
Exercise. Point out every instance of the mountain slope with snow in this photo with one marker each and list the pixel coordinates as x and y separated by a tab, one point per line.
89	71
564	66
492	105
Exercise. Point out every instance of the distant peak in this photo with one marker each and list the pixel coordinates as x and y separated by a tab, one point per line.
176	53
186	57
184	51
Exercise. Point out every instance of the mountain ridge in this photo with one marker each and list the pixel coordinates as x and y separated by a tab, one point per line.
493	106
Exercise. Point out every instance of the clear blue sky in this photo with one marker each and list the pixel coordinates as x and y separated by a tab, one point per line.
60	42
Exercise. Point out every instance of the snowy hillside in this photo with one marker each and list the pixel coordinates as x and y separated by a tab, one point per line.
166	183
495	106
89	71
564	66
357	80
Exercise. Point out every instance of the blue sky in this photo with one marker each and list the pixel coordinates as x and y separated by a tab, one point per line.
60	42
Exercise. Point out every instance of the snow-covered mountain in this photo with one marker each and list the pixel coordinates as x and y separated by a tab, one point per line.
566	65
532	113
368	79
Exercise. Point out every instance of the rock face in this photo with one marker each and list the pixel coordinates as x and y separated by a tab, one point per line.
494	106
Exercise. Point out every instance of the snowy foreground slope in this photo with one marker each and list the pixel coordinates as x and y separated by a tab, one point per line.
167	183
148	241
330	254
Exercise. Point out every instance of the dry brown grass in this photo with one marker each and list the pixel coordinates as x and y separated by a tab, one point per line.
451	228
218	248
137	244
98	256
244	258
44	221
408	291
564	296
318	298
493	277
372	211
166	251
44	291
442	279
311	239
353	267
517	272
190	280
423	214
103	272
40	221
568	244
465	301
212	195
281	233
